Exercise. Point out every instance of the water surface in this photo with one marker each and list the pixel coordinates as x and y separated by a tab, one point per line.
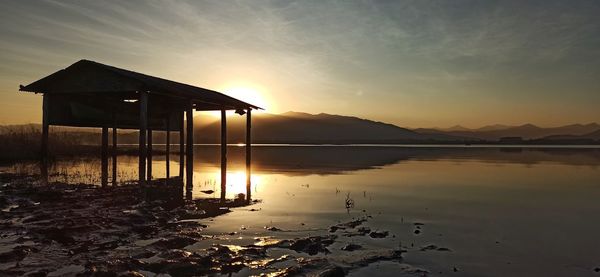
502	211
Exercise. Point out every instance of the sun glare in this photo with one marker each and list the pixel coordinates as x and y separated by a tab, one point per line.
248	94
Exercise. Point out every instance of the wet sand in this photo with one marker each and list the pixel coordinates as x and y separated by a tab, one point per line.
81	230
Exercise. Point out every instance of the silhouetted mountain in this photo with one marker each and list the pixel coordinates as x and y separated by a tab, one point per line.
593	136
295	127
493	127
454	128
526	131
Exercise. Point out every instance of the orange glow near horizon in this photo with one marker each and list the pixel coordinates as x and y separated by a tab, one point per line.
248	93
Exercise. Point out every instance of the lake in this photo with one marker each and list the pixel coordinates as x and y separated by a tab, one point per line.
500	211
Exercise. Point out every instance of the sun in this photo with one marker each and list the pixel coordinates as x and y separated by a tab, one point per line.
248	94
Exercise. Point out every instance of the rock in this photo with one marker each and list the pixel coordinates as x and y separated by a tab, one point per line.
334	271
429	247
417	232
378	234
364	230
311	245
175	242
351	247
272	228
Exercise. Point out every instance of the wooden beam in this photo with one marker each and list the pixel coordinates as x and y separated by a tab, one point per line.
190	147
149	156
168	149
181	146
223	154
114	156
104	178
248	153
142	141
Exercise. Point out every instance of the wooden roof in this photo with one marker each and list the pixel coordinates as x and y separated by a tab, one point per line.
95	79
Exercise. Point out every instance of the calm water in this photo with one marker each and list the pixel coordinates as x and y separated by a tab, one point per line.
502	211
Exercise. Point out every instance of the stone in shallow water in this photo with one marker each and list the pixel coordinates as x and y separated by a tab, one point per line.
379	234
351	247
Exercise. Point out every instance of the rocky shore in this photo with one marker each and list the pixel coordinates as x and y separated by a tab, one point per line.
82	230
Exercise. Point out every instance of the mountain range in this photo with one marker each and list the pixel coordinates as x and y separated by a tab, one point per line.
298	127
525	131
304	128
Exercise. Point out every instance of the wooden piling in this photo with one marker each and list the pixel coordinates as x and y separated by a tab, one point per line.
181	145
45	133
190	146
223	154
142	139
104	173
114	155
248	154
168	150
149	156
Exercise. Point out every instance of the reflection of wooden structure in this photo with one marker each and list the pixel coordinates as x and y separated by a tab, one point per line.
90	94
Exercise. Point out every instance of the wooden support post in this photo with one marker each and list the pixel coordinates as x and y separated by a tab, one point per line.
168	149
142	143
149	156
45	133
190	147
114	155
104	178
248	154
223	154
181	146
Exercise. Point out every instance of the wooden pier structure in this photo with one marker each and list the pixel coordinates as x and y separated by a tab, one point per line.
91	94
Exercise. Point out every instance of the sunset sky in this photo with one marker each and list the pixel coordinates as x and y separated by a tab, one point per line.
411	63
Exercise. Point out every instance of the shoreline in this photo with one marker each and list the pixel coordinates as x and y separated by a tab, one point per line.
60	229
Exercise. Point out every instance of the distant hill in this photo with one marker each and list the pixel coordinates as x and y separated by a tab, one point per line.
526	131
590	137
296	127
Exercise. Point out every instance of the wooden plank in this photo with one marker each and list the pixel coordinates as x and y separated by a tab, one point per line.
142	140
190	146
149	156
114	156
104	173
168	151
248	154
223	154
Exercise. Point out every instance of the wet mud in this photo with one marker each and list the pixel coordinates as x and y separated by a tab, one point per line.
82	230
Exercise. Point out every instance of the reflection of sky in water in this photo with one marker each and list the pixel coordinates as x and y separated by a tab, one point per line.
515	211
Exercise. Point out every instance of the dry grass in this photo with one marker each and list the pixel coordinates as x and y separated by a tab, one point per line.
23	142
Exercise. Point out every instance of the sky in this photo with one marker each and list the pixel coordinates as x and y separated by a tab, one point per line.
410	63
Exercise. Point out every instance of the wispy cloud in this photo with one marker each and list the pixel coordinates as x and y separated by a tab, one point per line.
315	52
